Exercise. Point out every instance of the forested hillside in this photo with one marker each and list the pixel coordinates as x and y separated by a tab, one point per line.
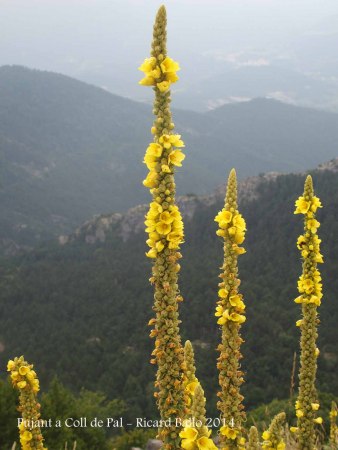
69	150
79	310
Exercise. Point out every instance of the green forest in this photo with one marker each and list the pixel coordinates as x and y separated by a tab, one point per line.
80	311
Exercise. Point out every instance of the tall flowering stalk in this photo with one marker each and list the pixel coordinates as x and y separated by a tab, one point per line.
230	312
310	290
190	379
196	435
273	437
333	426
253	442
165	234
25	380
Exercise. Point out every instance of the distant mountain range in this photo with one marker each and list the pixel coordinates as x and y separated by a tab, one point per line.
79	307
69	150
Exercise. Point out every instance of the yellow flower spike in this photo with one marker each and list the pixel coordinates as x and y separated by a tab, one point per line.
165	228
230	311
273	437
333	425
253	443
310	288
25	380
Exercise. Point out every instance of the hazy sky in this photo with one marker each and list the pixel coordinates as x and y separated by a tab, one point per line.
52	33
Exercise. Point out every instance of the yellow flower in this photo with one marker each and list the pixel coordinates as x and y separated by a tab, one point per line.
166	217
190	387
299	323
219	311
293	429
230	433
223	218
147	81
225	316
152	253
266	435
22	384
188	436
239	237
315	406
150	161
299	413
318	420
10	365
155	149
239	222
236	300
205	443
172	77
26	436
302	206
316	203
23	370
176	157
148	65
280	445
312	225
163	228
169	65
151	180
223	293
163	86
239	318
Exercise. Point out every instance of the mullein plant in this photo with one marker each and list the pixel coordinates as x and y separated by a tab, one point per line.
253	442
273	437
195	435
24	378
190	379
165	235
230	311
333	426
310	290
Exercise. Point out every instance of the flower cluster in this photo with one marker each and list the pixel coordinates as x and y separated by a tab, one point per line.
24	378
309	283
192	441
22	375
165	227
230	312
159	72
310	290
230	305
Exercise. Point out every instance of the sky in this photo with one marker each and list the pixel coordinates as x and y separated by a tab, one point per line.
54	33
103	40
